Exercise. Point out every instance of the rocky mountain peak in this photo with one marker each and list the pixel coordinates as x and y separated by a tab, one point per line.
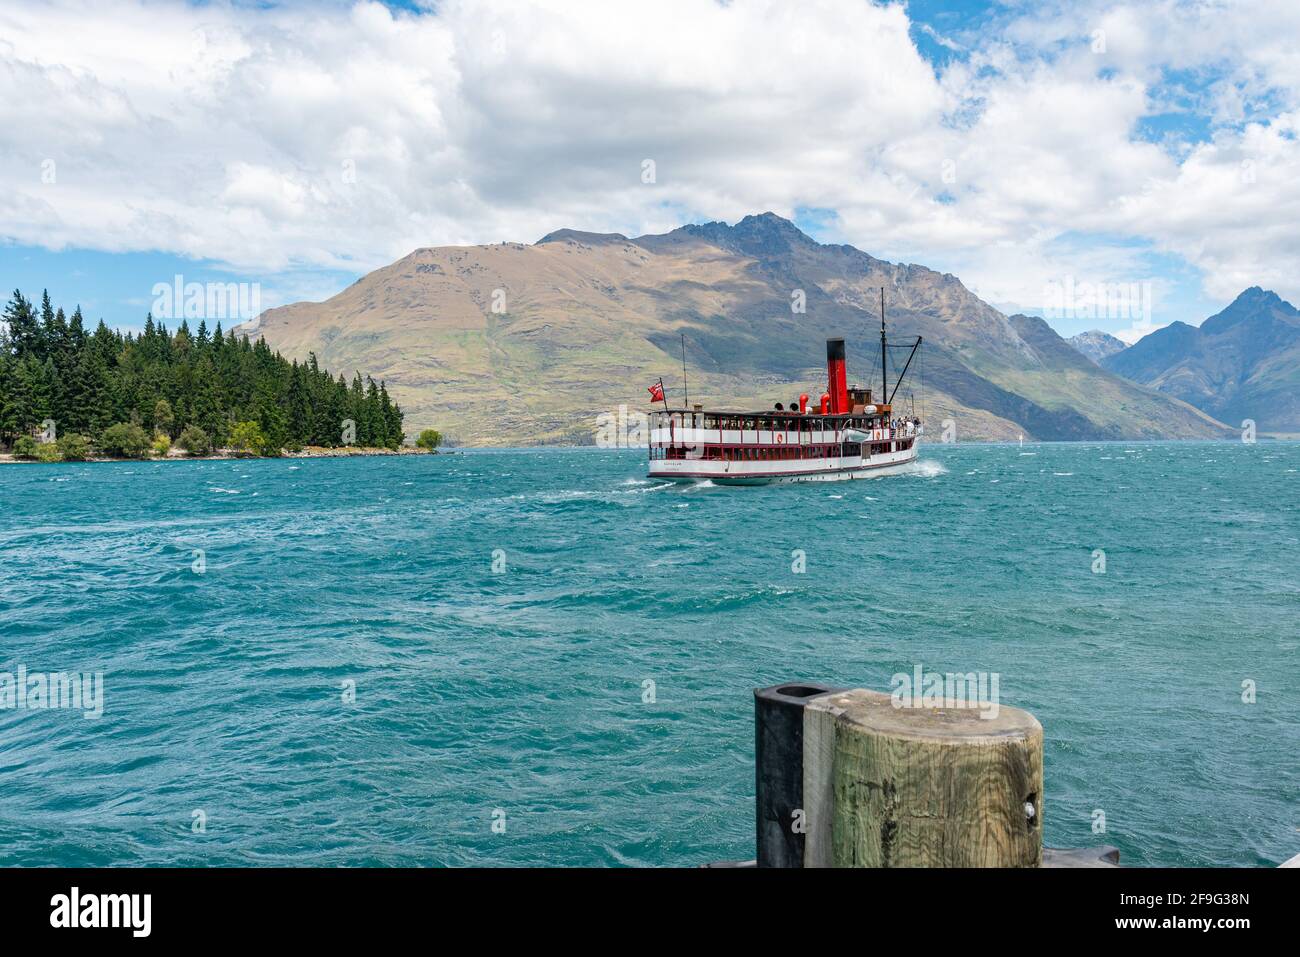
764	236
1252	305
1239	363
578	236
1096	345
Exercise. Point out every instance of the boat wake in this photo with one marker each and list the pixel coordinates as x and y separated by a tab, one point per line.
643	487
923	468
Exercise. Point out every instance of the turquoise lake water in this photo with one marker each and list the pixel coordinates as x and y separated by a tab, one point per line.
522	689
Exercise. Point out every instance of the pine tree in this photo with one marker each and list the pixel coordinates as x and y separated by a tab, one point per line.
47	321
83	395
8	427
28	397
24	329
77	332
375	427
299	402
392	417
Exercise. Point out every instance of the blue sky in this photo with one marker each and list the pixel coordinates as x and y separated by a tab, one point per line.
1026	148
118	287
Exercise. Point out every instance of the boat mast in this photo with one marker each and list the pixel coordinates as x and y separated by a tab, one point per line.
685	391
884	351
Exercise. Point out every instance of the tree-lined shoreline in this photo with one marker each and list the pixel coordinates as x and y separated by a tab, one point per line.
71	394
220	455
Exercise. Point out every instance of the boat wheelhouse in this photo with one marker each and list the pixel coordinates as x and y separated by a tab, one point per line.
846	435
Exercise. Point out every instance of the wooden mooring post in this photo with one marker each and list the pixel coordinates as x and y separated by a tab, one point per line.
847	778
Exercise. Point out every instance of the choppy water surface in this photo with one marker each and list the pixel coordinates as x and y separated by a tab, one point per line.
522	689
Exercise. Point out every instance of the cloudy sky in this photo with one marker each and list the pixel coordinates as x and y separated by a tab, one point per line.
1029	148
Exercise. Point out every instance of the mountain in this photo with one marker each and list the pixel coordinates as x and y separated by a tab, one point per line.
1243	363
1096	345
515	343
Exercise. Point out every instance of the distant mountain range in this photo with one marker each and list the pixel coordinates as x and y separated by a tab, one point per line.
516	343
1243	363
1097	345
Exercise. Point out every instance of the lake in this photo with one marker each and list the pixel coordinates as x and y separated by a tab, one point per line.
539	657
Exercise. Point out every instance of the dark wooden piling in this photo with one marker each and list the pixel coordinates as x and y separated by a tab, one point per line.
778	771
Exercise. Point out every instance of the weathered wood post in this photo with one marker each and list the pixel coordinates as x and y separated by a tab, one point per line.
921	786
855	779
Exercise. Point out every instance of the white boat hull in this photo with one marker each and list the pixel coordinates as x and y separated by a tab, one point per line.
781	472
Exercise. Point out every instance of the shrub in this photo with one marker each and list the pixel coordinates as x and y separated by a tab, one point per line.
125	440
74	447
163	419
248	437
48	452
195	441
25	447
161	445
429	439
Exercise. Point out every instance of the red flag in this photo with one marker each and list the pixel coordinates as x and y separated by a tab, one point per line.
657	392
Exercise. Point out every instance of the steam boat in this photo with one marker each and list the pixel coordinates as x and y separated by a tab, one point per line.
848	434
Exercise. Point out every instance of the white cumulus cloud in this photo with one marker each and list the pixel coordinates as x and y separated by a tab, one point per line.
338	137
